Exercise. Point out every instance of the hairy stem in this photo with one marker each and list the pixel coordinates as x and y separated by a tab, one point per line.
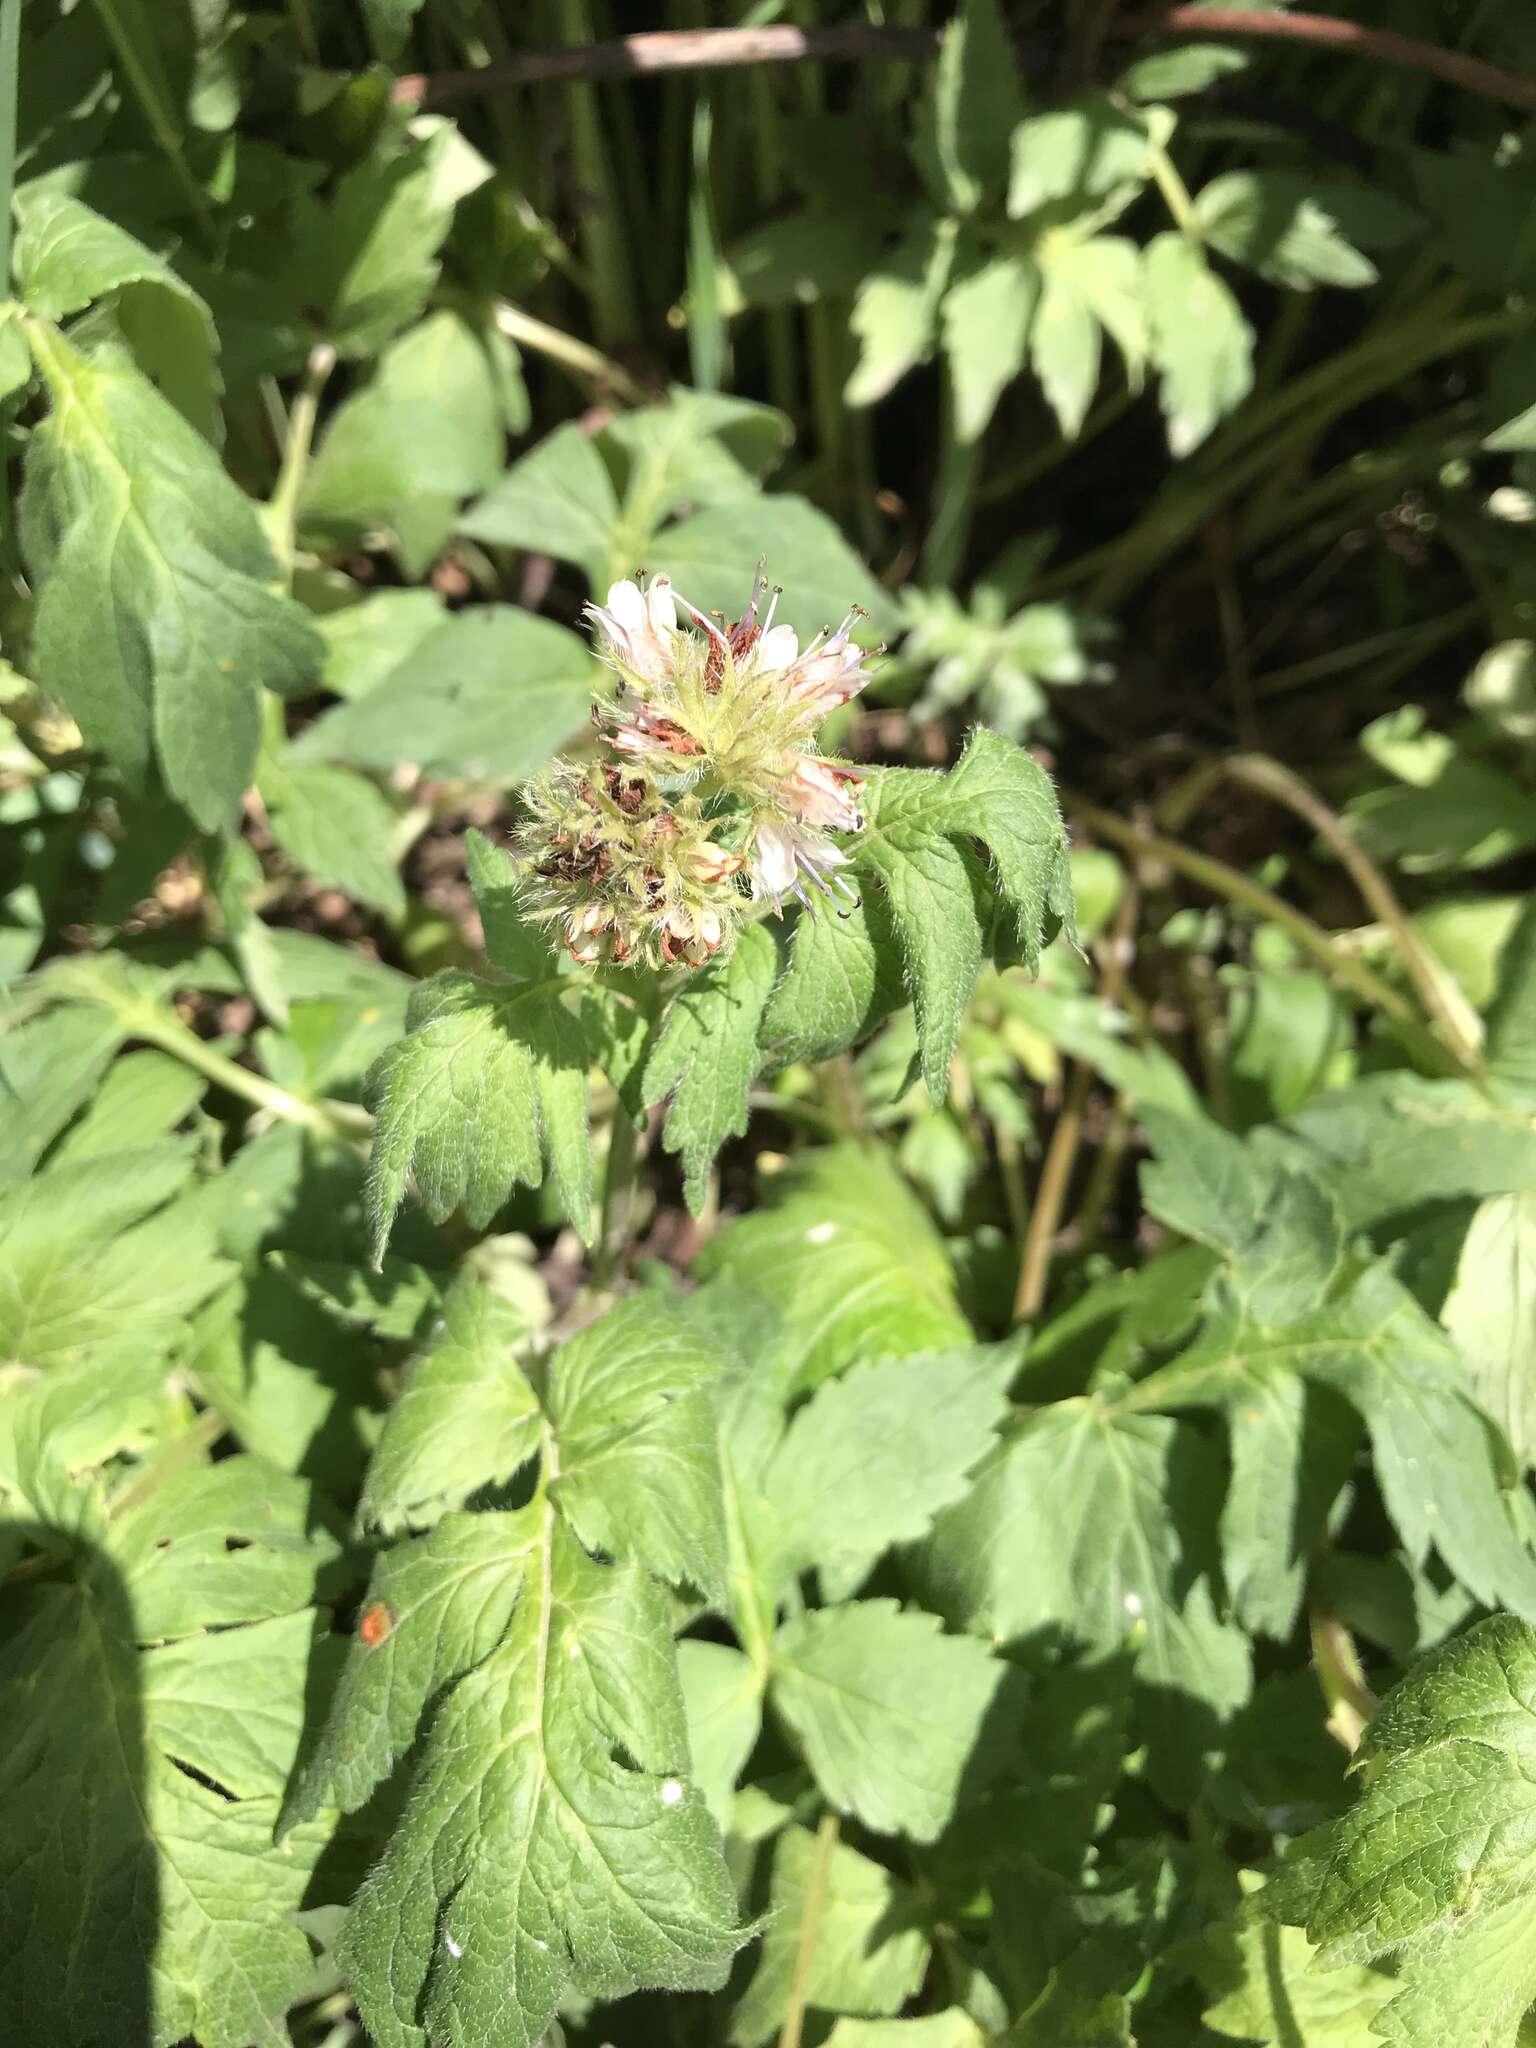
283	508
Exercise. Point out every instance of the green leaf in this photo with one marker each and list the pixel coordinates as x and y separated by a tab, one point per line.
851	1263
1284	225
143	1897
886	1708
975	103
367	257
67	256
466	1418
336	826
1200	341
364	642
921	827
871	1949
843	976
551	1847
986	320
1101	1523
106	1257
708	557
1434	1861
1078	157
49	1065
156	627
896	310
488	1084
402	454
706	1057
723	1700
437	1608
142	1098
1490	1314
487	696
1512	1014
1087	285
1273	1991
873	1456
632	1403
1435	1461
558	499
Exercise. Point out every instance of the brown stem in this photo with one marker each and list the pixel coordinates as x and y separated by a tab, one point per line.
1347	39
706	49
865	42
1061	1153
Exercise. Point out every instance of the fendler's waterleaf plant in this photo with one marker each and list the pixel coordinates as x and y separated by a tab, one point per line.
708	809
553	1845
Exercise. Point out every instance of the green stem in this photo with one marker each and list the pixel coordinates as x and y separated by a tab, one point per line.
159	1028
283	508
618	1197
1351	1703
602	233
810	1931
10	66
1229	882
181	1451
131	38
579	357
1175	193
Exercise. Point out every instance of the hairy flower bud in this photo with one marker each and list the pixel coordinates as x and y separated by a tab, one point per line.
621	873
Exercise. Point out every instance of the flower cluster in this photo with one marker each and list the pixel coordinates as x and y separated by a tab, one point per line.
713	783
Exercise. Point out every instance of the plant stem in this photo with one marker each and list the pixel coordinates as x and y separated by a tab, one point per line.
1443	1001
1351	1703
10	67
1061	1153
810	1930
283	507
198	1437
602	232
131	39
158	1027
1229	882
618	1197
1165	176
577	356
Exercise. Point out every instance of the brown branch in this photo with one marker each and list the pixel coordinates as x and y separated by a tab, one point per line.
708	49
862	42
1347	39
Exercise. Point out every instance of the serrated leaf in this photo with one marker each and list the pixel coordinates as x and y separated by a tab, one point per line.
871	1946
157	625
466	1417
986	320
1199	340
843	975
67	255
896	309
706	1058
136	1895
886	1709
1078	156
109	1255
1086	286
551	1847
873	1456
917	844
1272	1990
1490	1314
851	1263
49	1065
974	104
1283	225
1435	1860
441	1604
488	1083
631	1401
1103	1524
1434	1458
142	1098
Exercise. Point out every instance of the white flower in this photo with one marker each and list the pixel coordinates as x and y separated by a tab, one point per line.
820	794
639	626
786	857
828	673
